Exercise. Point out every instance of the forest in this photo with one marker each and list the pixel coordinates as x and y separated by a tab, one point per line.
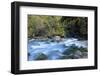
63	26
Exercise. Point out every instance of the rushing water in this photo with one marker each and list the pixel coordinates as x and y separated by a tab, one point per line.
52	49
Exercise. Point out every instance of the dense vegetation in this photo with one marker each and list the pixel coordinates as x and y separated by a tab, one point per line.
49	26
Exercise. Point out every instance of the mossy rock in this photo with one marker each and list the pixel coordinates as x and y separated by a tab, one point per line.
67	57
71	49
41	56
74	52
83	49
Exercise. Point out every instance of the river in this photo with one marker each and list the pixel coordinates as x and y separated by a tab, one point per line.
52	49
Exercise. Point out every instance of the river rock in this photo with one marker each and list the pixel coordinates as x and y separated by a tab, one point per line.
57	38
78	54
85	54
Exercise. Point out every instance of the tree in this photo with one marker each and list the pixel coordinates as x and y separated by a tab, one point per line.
44	26
75	26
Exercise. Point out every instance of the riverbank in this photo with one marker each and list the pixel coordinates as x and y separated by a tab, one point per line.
54	38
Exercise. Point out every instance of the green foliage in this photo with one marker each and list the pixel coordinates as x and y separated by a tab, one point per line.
44	26
75	26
